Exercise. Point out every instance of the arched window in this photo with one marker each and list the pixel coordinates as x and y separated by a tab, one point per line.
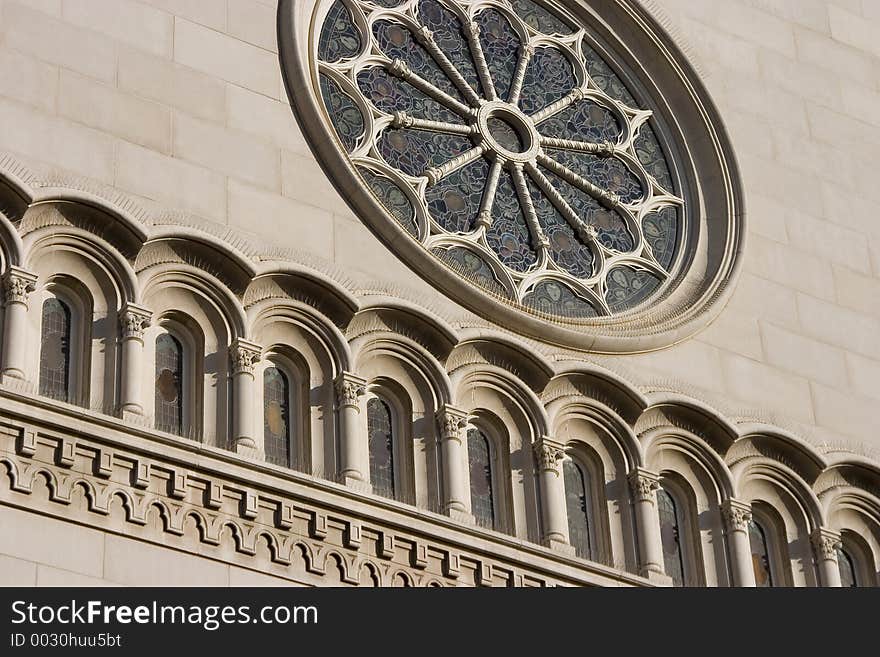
169	384
760	554
276	416
480	467
848	571
579	506
671	536
380	430
55	350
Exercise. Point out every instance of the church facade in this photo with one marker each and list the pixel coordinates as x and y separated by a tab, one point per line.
439	293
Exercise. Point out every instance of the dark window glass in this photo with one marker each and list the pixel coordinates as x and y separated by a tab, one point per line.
381	437
479	459
760	554
55	350
276	416
169	384
577	502
670	536
848	576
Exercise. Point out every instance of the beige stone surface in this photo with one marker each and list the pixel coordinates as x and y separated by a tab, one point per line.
86	87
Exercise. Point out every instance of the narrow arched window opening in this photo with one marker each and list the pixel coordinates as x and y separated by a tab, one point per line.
671	536
169	384
846	565
579	506
380	429
480	467
760	554
276	416
55	350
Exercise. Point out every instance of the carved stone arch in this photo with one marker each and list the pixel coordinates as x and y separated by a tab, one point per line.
523	361
423	377
792	507
369	574
305	329
200	250
595	383
15	196
129	505
13	475
400	579
157	279
779	445
704	482
386	315
613	436
310	288
66	210
673	410
312	352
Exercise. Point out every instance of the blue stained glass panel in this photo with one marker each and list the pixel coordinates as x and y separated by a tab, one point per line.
555	298
610	226
661	232
501	48
448	34
651	156
608	173
508	236
390	94
535	16
480	467
397	42
388	4
393	198
340	38
381	447
454	202
549	77
413	151
605	78
566	249
628	287
471	267
584	121
344	114
670	537
578	505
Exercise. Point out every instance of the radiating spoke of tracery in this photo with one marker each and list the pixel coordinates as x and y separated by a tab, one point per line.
522	143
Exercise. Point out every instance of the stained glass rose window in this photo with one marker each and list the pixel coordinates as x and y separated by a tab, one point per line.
500	139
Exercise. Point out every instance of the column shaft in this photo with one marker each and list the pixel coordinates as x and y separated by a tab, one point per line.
17	285
736	516
354	455
554	518
456	496
825	545
643	485
245	440
133	320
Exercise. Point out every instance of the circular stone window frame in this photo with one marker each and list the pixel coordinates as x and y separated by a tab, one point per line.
689	128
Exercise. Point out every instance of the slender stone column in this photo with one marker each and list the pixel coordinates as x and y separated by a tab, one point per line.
825	544
354	455
554	518
456	495
736	516
244	355
133	320
643	484
17	285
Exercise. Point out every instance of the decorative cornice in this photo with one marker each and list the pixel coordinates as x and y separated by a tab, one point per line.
549	454
825	544
642	484
244	355
737	515
17	284
451	421
133	319
349	389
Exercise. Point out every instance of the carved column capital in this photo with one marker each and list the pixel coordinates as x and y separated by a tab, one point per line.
737	515
451	421
549	454
133	319
17	285
349	389
642	484
244	355
825	544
